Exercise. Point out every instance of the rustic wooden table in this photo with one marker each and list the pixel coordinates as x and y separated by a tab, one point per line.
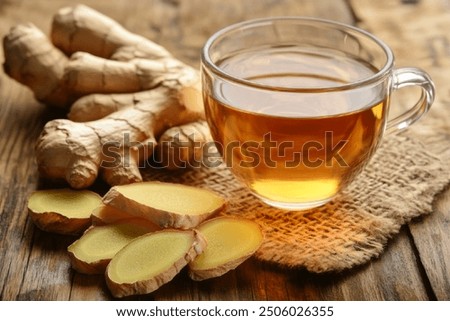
34	265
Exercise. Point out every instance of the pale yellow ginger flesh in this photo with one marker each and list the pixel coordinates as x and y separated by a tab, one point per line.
92	252
63	211
67	202
230	242
152	260
166	204
175	198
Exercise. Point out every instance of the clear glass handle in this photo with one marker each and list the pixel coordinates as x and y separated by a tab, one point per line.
404	77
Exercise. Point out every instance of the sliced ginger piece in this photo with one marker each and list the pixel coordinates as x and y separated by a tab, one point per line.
91	253
63	211
105	214
166	204
152	260
230	242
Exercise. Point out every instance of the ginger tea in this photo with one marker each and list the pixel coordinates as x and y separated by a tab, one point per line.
293	136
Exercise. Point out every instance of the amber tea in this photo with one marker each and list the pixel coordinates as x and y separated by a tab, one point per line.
289	149
298	106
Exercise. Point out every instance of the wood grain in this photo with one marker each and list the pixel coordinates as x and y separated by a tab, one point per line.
432	240
34	265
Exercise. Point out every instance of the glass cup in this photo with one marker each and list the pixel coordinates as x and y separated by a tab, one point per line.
297	106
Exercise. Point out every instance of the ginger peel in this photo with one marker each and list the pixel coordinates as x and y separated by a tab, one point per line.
125	91
62	211
182	146
105	214
165	204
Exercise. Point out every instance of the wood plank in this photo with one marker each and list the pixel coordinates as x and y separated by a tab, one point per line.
34	265
432	239
48	275
88	287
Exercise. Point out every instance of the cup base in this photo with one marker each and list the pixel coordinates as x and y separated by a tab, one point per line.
294	206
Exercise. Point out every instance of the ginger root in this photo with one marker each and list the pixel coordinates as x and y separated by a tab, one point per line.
230	242
165	204
91	253
152	260
62	211
125	91
182	146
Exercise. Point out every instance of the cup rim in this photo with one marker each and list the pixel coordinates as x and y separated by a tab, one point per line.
376	77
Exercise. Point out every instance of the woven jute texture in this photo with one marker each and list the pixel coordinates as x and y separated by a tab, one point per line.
399	184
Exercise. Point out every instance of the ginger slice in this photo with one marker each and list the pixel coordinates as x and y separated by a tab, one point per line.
91	253
166	204
152	260
230	242
63	211
105	214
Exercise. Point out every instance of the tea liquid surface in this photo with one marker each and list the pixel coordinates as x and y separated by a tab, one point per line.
291	146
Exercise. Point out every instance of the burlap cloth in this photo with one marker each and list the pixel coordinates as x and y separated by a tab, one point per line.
399	184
